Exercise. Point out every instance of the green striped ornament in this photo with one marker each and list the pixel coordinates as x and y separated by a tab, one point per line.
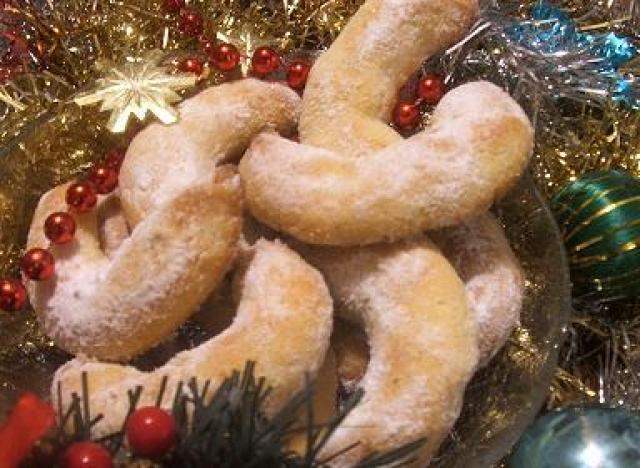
599	217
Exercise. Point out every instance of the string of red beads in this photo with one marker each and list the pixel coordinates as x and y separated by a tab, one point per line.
226	57
429	90
39	264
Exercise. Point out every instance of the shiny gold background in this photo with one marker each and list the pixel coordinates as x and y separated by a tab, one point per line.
45	140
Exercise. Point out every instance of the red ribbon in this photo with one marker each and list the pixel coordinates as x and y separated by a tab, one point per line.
28	422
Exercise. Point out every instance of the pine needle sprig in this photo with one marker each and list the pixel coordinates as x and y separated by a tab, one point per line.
225	428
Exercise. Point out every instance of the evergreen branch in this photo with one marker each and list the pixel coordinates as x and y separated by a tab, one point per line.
227	428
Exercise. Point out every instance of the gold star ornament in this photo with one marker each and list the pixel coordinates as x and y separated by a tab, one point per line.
137	87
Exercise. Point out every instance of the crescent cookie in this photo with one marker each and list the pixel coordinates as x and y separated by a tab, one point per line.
353	180
215	126
283	323
113	302
494	281
104	302
422	340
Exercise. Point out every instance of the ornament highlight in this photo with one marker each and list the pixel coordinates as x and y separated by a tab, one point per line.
114	159
431	88
406	115
137	88
265	60
38	264
297	74
60	228
225	57
599	217
87	455
104	179
191	65
81	197
151	432
13	295
580	438
191	23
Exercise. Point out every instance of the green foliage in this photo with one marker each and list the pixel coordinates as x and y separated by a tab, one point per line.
225	428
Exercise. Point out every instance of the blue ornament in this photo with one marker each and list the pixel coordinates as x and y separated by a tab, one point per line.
581	438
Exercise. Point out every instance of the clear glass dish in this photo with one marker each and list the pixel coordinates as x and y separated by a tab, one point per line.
505	397
500	402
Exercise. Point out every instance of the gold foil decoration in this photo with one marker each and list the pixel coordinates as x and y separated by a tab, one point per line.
137	88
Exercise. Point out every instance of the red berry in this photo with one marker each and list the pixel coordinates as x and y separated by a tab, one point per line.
86	455
38	264
406	115
13	295
225	57
265	60
81	197
191	65
191	23
151	432
431	88
114	159
298	73
104	179
60	228
173	6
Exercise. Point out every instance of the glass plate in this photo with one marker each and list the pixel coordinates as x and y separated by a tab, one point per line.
500	402
505	397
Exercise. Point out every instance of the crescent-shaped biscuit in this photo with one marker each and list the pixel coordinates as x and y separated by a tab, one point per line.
115	306
422	338
475	149
215	126
353	85
283	323
494	281
116	299
354	180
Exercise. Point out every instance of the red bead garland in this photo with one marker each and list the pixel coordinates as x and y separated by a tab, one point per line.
431	88
60	228
114	159
151	432
38	264
173	6
225	57
297	74
191	23
191	65
406	115
265	60
104	179
87	455
81	197
13	295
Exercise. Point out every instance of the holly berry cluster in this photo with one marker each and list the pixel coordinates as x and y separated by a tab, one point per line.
150	433
38	264
225	57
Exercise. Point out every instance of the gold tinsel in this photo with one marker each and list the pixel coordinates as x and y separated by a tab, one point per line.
46	139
